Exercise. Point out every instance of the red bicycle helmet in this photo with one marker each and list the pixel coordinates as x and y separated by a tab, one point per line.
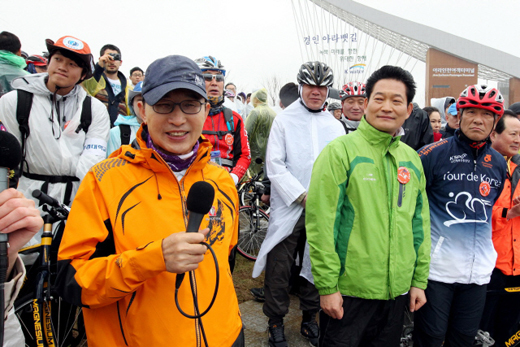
353	89
37	60
482	96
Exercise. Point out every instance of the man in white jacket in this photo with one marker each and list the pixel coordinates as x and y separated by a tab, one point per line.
62	143
297	136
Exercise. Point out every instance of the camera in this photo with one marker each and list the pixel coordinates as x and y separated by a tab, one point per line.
116	56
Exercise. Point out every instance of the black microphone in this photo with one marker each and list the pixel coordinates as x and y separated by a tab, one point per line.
199	201
10	157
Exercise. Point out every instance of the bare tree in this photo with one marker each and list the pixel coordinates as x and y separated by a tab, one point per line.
273	85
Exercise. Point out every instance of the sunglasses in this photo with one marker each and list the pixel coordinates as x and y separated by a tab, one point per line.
209	77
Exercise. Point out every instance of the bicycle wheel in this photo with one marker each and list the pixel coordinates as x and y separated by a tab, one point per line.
246	194
253	228
408	324
67	323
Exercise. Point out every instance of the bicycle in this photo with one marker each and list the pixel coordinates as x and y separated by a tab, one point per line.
513	340
406	334
253	220
46	319
482	339
246	189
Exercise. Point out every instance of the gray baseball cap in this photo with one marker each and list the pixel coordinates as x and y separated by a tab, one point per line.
170	73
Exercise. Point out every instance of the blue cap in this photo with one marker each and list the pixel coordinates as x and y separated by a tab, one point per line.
132	94
170	73
453	109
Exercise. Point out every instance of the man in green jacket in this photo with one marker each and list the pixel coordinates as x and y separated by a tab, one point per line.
368	222
11	63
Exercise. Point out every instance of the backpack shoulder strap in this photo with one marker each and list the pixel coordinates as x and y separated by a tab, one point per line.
86	115
23	109
228	117
125	132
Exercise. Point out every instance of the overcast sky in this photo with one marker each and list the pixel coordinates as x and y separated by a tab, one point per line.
255	40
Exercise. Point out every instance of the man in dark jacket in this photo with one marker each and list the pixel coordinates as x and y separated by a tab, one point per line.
452	122
108	83
417	129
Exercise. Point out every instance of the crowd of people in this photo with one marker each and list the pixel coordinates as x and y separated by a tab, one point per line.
414	209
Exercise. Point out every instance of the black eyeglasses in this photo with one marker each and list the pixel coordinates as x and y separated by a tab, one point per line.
209	77
187	106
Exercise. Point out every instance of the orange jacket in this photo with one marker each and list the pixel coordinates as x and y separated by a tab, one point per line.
111	260
506	234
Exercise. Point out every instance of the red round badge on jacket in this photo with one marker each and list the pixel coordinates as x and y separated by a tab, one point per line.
403	175
484	188
229	139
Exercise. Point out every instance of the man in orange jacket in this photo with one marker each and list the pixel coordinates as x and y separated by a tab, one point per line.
124	244
501	316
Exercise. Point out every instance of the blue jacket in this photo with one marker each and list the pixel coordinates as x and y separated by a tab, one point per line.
114	142
462	190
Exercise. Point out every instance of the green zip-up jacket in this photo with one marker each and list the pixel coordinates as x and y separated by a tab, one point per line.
369	234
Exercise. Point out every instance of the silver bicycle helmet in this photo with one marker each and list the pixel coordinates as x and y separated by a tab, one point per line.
210	63
315	73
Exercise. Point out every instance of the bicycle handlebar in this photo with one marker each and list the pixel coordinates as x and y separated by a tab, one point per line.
45	199
51	205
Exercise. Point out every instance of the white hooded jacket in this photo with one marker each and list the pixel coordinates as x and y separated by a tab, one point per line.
441	104
296	139
64	153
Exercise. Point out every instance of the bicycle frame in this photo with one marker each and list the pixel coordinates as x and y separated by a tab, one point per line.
43	308
514	341
41	303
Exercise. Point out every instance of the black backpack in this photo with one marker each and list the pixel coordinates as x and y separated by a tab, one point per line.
23	110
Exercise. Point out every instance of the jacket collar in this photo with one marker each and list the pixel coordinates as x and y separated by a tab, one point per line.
476	152
108	87
376	137
139	153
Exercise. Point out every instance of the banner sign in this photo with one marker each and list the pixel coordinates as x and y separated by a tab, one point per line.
453	72
327	38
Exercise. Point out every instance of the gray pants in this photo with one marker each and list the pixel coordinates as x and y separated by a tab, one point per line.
278	273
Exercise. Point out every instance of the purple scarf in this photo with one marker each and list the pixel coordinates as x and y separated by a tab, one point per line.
175	162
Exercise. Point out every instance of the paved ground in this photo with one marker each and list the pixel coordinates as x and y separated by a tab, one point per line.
255	324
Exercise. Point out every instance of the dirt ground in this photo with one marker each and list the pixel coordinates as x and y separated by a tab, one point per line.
243	280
